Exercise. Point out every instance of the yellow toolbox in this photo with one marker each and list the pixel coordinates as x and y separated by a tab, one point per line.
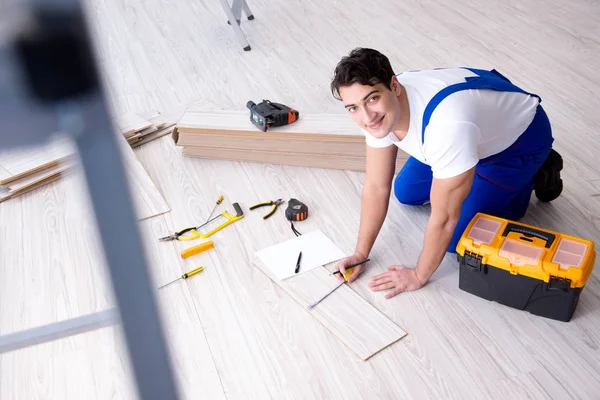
524	267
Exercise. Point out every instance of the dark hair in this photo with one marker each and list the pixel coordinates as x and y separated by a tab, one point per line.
363	66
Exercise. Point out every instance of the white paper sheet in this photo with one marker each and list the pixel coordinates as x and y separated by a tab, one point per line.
317	250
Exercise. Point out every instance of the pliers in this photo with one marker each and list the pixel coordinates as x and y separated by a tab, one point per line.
271	203
179	235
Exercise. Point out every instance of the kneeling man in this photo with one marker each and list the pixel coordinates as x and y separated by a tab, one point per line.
477	143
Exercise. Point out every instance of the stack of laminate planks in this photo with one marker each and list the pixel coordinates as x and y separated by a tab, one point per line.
24	170
142	128
27	169
331	141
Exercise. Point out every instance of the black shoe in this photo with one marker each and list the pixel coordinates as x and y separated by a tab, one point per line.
547	183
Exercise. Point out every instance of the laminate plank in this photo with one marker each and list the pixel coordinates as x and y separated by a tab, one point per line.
128	124
33	184
285	158
273	143
153	136
4	174
339	126
353	321
154	117
21	162
149	202
13	181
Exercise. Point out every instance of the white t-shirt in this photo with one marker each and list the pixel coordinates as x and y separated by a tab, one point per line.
465	127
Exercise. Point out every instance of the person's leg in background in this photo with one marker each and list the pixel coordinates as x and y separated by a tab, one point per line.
412	185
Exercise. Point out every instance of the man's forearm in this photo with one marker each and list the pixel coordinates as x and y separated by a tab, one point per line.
374	208
438	234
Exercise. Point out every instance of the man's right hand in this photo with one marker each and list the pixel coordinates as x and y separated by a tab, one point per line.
356	271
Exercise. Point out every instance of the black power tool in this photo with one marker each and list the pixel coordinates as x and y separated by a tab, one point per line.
267	115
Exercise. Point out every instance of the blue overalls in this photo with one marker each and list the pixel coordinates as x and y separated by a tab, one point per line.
503	182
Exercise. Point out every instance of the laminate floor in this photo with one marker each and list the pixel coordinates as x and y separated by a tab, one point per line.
246	338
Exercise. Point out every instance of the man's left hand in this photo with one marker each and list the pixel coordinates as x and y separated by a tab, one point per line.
399	278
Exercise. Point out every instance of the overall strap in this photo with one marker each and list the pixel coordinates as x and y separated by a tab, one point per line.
484	80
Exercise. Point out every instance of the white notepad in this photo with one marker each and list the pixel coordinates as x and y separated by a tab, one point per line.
317	250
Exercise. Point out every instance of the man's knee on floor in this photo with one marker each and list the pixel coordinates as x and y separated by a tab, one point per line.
410	194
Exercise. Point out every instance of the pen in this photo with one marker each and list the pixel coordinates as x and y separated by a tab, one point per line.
353	265
298	263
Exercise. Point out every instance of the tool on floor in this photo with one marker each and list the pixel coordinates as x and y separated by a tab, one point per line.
180	235
185	276
524	267
349	272
192	251
352	266
219	200
271	203
195	234
265	114
296	211
298	263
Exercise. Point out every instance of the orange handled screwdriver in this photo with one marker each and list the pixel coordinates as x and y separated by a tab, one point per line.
192	251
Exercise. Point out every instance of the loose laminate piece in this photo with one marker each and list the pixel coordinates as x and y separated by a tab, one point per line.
136	142
128	124
355	322
148	200
17	180
24	161
43	180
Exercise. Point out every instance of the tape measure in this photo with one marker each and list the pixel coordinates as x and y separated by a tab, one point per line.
296	211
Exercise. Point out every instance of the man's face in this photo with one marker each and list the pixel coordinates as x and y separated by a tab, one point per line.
374	108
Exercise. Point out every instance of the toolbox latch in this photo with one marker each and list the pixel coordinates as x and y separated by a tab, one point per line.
473	260
557	283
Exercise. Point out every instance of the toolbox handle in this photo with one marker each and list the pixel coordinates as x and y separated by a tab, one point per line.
527	231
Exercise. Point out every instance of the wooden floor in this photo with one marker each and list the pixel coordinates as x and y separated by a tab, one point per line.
232	333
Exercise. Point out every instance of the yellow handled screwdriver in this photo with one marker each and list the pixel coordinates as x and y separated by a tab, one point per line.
185	276
219	200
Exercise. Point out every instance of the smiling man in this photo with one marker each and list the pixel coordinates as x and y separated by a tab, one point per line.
477	143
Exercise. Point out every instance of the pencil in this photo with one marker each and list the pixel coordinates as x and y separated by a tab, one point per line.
353	265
